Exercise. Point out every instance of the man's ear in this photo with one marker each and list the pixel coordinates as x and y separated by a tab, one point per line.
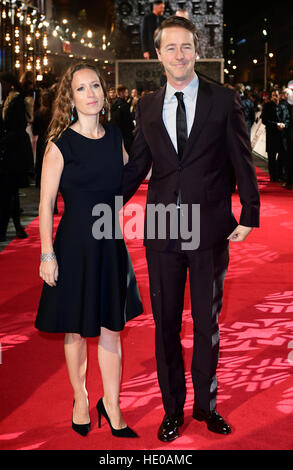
158	54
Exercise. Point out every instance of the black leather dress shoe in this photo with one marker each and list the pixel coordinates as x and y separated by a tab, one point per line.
168	430
215	422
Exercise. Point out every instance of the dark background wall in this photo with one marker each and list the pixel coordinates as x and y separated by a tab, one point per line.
207	15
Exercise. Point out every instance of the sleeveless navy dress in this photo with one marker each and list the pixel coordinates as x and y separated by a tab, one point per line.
96	284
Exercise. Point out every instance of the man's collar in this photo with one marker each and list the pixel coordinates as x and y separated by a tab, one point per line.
190	90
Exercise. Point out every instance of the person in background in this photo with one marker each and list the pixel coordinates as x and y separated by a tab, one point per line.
289	159
133	102
148	26
121	116
16	153
28	86
27	83
41	123
111	97
276	118
247	106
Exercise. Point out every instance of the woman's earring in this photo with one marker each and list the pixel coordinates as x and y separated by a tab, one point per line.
103	111
72	113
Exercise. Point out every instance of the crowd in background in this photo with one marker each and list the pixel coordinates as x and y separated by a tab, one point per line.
26	111
275	109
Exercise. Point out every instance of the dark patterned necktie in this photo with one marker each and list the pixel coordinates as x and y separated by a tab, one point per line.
181	125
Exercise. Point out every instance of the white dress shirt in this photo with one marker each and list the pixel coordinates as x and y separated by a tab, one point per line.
170	107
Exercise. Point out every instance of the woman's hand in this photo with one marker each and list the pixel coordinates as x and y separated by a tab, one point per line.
49	272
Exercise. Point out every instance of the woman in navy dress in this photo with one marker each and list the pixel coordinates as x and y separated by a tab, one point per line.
89	286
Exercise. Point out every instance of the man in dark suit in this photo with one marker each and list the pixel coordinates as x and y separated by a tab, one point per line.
191	132
276	117
148	26
121	116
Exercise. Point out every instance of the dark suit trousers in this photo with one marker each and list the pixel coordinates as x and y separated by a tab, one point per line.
167	274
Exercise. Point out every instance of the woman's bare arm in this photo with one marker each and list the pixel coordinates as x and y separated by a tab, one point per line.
51	173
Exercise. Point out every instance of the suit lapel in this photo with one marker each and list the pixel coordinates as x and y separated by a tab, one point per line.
203	107
157	123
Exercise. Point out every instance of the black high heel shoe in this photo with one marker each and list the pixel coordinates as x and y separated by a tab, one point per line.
124	432
82	429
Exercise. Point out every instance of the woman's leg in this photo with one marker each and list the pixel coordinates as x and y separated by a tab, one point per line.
109	356
76	358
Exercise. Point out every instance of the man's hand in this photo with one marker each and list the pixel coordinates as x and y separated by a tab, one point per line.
240	234
146	55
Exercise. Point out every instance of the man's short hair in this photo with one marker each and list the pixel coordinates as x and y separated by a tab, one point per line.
176	21
121	88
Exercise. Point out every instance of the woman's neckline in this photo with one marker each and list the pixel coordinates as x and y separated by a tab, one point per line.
88	138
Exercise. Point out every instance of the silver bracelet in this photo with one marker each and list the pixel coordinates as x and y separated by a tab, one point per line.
48	256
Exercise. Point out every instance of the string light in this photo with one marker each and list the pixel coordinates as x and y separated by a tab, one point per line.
45	41
23	24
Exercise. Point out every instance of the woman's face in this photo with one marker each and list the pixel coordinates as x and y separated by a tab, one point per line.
87	92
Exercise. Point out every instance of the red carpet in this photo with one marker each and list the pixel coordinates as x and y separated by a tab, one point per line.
254	375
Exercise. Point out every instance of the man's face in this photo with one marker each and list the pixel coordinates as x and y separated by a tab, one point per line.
159	9
112	93
275	97
177	54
